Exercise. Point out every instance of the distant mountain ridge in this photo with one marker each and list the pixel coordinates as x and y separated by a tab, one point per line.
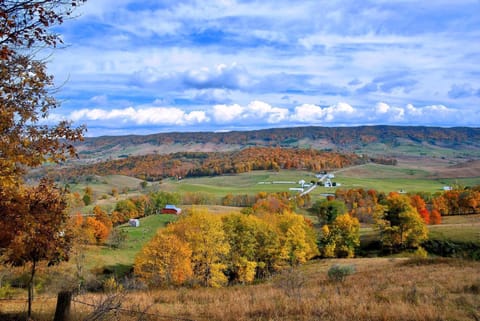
374	140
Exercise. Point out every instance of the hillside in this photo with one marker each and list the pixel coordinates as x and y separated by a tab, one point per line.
378	140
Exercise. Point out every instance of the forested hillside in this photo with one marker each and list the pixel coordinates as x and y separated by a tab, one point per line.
189	164
370	139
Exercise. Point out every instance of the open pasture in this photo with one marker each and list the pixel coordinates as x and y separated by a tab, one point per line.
383	178
380	289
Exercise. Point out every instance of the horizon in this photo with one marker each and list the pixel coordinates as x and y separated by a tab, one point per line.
284	127
160	66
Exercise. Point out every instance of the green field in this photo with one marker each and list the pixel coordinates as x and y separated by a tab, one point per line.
460	228
372	176
120	260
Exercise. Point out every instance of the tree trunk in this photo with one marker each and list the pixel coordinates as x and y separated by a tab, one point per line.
62	312
30	289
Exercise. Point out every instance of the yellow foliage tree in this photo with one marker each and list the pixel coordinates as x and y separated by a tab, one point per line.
240	231
165	260
204	234
340	238
297	238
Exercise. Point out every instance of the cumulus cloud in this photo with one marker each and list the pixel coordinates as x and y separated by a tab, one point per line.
255	112
387	114
340	112
142	116
227	113
430	115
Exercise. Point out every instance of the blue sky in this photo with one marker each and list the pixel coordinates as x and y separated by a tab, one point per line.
137	67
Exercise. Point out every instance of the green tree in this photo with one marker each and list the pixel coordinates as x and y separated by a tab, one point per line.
158	201
328	210
400	225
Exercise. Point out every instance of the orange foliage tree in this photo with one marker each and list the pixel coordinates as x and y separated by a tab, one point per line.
421	207
96	229
36	230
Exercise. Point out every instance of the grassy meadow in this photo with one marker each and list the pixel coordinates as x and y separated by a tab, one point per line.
380	289
120	260
383	178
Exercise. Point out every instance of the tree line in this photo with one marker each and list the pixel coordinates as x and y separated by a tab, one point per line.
154	167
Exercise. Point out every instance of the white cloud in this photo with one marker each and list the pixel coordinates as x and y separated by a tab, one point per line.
227	113
339	112
142	116
307	113
254	113
258	113
382	108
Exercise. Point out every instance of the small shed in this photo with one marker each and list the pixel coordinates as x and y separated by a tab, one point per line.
171	209
133	222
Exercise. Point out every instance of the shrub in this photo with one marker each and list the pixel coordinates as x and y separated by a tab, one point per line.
338	273
6	291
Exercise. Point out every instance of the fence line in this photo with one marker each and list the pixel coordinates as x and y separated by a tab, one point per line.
157	316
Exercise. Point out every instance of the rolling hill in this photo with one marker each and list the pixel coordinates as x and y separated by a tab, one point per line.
393	141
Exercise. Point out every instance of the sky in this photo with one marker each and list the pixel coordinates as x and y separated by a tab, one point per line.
140	67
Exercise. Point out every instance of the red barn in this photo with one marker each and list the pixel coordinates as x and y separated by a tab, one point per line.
171	209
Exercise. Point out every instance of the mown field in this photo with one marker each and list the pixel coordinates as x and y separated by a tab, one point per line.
383	178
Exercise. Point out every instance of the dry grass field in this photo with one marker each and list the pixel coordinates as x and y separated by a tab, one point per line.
380	289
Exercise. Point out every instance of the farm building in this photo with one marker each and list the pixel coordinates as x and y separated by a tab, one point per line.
171	209
133	222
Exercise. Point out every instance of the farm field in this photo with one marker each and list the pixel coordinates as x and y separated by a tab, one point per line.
383	178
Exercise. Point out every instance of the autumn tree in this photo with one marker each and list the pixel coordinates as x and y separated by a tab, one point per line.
96	229
102	216
341	238
32	216
240	231
165	260
204	234
272	203
435	217
38	229
418	202
26	89
327	210
400	225
298	239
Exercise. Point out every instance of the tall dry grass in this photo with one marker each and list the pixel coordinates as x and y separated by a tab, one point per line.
381	289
